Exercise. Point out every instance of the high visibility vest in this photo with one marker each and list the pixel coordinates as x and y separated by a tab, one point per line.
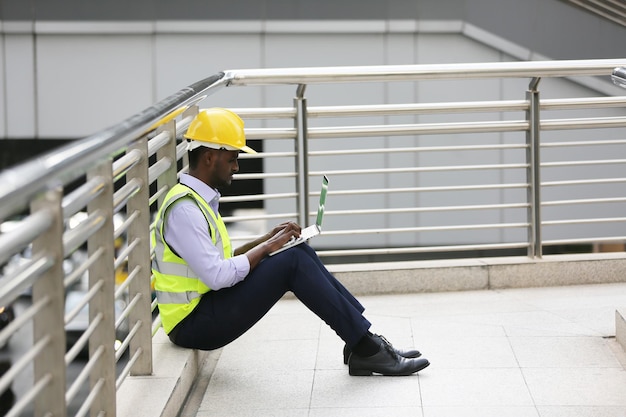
178	288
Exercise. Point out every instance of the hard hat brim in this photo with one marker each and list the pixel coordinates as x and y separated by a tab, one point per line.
194	144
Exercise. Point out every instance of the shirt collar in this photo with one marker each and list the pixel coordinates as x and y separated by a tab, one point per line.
210	195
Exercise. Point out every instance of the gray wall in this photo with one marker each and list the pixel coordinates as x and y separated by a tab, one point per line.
554	28
70	68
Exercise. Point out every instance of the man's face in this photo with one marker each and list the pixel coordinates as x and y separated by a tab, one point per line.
224	165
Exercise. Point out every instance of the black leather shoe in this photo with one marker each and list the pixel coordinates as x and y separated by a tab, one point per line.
409	353
385	362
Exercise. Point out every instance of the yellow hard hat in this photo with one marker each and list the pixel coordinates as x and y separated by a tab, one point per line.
217	128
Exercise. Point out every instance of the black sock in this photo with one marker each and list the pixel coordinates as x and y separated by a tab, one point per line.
366	346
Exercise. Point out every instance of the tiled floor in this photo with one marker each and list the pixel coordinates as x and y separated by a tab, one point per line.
539	352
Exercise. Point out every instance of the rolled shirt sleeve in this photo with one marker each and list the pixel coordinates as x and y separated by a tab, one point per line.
187	234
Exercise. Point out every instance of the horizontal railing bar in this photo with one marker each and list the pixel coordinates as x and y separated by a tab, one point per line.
21	319
583	221
583	201
620	239
421	209
19	238
161	191
84	301
181	149
27	397
82	268
583	103
156	325
583	182
417	129
74	238
270	133
420	249
124	314
388	230
25	360
390	73
126	370
129	278
23	278
121	166
583	123
255	197
584	143
447	168
158	168
91	397
265	155
418	149
128	221
119	260
267	112
158	142
121	196
132	332
260	176
233	219
82	341
81	196
427	189
83	374
416	108
582	163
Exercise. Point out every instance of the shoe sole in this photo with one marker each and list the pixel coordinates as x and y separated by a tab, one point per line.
345	359
367	372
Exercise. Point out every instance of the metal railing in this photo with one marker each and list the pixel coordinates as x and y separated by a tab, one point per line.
425	185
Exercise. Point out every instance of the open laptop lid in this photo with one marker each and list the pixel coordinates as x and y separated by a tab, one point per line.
320	209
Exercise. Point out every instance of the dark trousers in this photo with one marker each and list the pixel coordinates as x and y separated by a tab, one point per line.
224	315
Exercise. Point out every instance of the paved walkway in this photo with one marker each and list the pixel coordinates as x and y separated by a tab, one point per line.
538	352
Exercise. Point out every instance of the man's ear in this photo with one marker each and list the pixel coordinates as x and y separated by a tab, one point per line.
207	157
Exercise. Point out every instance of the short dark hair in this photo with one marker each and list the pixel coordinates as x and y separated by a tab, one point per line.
194	156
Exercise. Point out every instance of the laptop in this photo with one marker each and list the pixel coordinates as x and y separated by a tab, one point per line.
312	230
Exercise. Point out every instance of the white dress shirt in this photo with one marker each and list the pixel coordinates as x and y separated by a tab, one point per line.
187	234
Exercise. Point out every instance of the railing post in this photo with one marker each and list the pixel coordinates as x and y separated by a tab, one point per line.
139	260
534	169
102	272
50	322
302	159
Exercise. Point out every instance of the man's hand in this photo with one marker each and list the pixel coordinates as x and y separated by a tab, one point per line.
272	241
284	226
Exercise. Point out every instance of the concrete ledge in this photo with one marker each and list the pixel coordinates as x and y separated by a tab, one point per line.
165	391
481	273
620	327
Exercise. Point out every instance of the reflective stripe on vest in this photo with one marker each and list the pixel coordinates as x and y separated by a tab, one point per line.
178	289
176	297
